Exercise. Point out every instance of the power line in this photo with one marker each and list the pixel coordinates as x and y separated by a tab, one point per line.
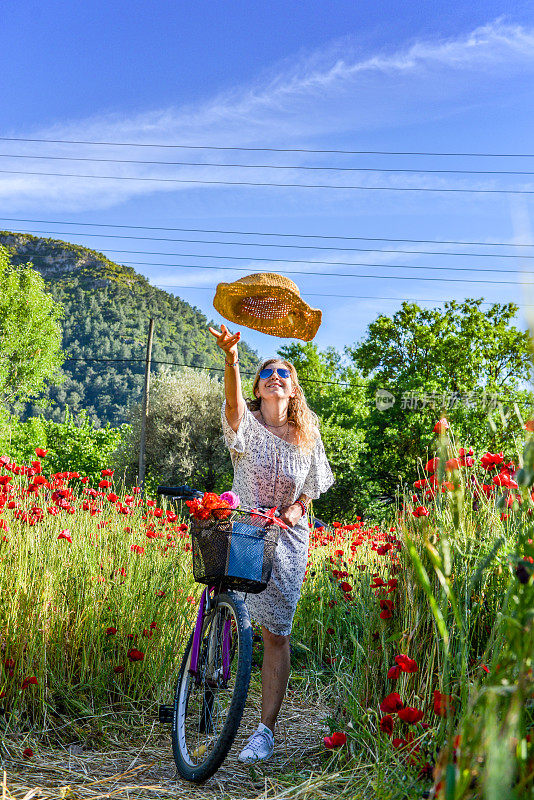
343	296
264	233
267	166
267	149
342	274
334	263
265	244
269	184
195	366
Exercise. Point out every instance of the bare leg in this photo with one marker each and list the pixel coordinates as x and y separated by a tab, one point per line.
274	675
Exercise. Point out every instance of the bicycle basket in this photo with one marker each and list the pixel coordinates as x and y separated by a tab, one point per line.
236	552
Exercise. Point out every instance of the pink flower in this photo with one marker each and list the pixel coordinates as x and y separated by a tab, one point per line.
231	498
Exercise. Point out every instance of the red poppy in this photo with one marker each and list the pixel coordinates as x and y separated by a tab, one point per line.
104	484
406	664
29	682
387	608
394	673
118	669
40	453
391	704
441	426
443	705
338	739
386	724
112	497
489	460
9	663
399	743
135	655
330	631
451	464
65	535
529	425
421	511
432	465
345	587
111	631
27	752
410	715
107	473
136	548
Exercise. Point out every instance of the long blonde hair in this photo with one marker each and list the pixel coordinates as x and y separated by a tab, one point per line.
298	411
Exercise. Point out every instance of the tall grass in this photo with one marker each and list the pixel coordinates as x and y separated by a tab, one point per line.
452	590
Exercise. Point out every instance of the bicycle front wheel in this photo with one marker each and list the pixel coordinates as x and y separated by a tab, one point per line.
209	704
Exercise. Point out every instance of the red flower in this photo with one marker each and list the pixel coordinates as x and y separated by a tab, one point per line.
29	682
110	631
65	535
410	715
421	511
27	753
406	664
387	608
330	631
432	465
136	548
529	425
345	587
338	739
391	704
394	673
443	705
489	460
118	669
386	724
451	464
441	426
135	655
104	484
9	663
40	453
399	743
107	473
112	497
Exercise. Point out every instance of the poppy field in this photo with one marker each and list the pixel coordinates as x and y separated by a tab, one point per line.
418	630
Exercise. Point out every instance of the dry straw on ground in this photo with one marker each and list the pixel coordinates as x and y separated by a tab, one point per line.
145	769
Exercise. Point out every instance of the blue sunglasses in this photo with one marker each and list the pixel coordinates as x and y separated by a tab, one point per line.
268	371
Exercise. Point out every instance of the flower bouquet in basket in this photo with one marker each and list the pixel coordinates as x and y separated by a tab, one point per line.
213	506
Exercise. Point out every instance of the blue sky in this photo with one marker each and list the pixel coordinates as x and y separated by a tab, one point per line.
428	77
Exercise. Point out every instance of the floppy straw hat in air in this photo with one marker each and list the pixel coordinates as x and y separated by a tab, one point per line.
269	303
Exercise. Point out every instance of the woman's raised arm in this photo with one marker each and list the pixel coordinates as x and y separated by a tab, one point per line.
235	404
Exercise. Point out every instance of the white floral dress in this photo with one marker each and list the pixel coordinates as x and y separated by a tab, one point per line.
269	471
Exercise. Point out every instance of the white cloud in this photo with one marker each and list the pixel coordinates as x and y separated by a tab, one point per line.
326	94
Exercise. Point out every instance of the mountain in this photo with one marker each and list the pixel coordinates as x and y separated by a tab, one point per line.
107	307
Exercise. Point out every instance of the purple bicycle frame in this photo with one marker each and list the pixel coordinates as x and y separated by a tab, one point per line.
195	647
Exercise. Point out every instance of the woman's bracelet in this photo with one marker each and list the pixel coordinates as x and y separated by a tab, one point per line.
233	363
303	506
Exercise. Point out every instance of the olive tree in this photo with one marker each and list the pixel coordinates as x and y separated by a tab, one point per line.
184	442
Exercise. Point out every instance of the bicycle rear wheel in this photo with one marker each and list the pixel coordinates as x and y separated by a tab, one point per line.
208	706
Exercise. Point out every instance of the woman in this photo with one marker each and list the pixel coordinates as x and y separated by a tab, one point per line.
278	460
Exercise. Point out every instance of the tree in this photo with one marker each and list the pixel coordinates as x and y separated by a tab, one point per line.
184	441
457	352
336	392
30	333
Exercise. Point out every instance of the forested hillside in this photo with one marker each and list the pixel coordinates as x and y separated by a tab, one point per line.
107	307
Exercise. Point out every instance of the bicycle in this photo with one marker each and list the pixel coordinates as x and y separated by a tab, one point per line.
230	554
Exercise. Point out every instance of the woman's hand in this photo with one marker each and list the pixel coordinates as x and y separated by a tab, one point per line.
226	341
291	514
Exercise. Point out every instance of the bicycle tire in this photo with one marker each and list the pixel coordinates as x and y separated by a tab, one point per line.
192	724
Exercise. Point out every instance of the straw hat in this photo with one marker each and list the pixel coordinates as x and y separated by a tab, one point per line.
269	303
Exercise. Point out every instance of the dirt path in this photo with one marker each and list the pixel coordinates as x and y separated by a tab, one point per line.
145	769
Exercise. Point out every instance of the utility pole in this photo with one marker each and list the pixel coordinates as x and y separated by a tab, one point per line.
144	411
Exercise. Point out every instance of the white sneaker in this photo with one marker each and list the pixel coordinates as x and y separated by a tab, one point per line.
259	747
